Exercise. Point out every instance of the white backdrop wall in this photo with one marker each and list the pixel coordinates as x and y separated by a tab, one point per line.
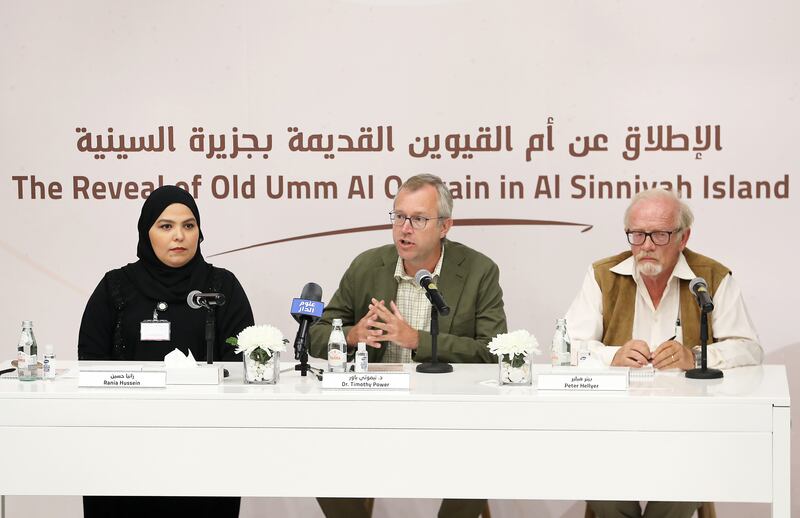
425	68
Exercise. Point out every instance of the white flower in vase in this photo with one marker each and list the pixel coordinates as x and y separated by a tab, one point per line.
514	350
258	344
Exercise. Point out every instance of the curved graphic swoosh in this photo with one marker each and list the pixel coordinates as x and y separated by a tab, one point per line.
466	222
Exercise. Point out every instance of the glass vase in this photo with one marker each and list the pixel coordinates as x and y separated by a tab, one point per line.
261	367
515	369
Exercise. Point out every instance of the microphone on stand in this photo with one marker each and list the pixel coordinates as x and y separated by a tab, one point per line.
210	301
424	279
699	288
306	311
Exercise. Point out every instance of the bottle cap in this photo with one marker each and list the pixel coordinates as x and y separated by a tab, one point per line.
48	349
362	347
337	322
27	323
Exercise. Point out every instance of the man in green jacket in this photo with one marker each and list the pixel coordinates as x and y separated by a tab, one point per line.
380	304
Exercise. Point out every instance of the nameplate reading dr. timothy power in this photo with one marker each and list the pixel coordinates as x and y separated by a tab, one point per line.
366	380
122	379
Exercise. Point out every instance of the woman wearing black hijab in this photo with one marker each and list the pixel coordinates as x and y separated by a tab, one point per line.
170	266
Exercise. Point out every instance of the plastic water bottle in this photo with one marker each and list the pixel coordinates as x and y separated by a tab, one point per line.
561	353
337	348
49	363
362	358
27	353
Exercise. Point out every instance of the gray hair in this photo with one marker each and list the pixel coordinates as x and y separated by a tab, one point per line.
685	216
445	199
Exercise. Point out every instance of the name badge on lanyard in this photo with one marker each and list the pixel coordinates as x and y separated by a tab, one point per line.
155	330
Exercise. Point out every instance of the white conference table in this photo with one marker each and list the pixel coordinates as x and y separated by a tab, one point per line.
456	435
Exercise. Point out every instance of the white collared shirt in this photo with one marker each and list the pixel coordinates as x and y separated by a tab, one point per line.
738	342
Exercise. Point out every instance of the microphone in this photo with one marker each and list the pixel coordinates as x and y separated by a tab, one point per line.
699	288
197	300
424	279
306	311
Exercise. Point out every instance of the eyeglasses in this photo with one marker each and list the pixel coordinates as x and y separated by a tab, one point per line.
658	237
417	222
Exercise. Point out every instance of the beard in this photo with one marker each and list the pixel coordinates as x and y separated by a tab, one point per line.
648	269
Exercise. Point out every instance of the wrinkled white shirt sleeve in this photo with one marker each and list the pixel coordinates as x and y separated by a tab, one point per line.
737	341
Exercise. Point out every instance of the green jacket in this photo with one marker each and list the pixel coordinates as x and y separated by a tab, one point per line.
469	283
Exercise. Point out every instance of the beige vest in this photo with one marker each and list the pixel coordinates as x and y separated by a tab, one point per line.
619	298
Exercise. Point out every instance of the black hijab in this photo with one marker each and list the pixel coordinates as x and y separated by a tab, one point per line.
154	278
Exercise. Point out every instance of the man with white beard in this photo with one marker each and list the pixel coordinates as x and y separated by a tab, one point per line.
635	309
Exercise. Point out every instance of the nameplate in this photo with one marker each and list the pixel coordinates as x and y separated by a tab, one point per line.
122	379
566	378
366	380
